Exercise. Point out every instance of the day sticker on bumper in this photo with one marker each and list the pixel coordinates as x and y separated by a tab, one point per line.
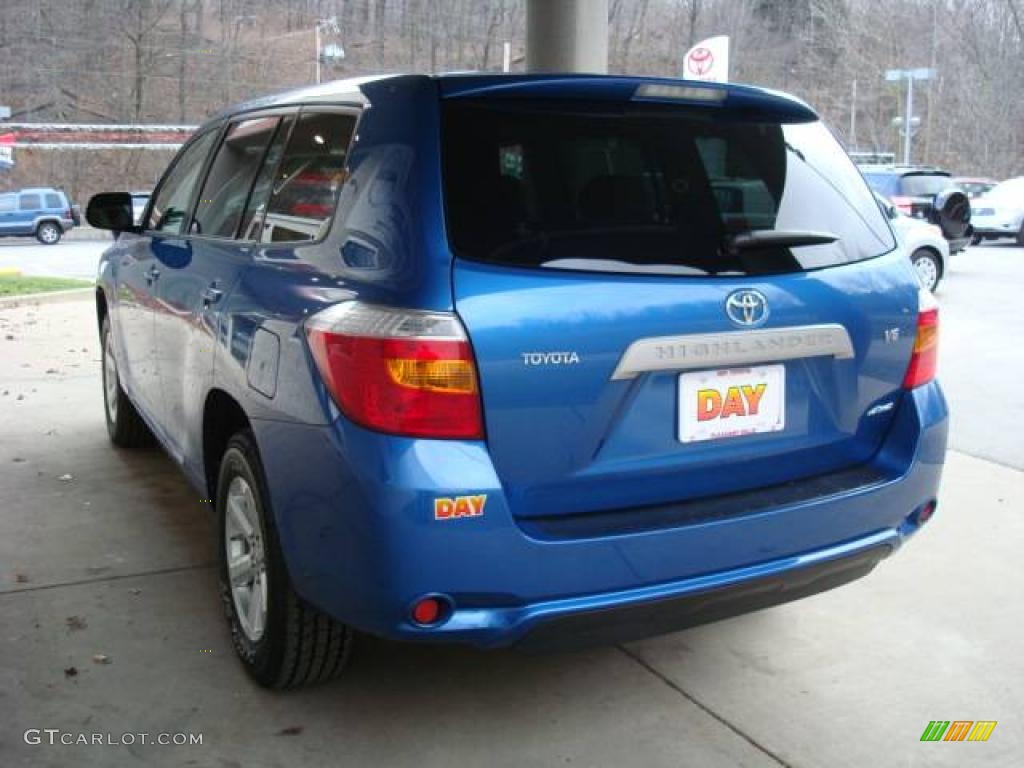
459	506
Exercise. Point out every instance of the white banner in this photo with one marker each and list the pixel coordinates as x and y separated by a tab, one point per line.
708	60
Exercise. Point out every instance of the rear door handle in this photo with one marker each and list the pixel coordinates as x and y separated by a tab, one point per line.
152	275
211	295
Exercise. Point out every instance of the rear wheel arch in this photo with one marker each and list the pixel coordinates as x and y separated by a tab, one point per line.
49	220
223	417
102	310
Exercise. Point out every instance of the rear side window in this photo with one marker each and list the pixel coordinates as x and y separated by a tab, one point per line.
227	185
53	201
252	219
31	202
310	175
170	209
663	190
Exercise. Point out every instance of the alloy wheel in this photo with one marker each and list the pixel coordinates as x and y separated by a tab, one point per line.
246	558
110	382
927	271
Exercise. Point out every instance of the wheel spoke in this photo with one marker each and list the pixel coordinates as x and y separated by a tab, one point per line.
238	517
254	611
240	570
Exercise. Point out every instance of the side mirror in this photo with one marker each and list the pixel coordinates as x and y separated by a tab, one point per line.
113	211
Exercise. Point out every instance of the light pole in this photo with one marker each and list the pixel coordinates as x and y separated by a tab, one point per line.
910	75
331	25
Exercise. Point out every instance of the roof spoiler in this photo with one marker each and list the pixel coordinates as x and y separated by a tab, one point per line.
747	100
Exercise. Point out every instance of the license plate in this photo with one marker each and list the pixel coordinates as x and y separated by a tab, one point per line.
731	402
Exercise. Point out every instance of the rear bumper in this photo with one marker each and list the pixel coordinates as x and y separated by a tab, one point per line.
959	243
355	514
692	603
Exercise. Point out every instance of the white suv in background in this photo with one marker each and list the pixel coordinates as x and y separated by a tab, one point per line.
1000	212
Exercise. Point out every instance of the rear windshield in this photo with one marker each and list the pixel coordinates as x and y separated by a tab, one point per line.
657	190
924	184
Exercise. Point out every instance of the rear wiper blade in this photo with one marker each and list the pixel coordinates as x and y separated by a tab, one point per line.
757	239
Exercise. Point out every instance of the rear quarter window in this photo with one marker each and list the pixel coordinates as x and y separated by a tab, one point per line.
53	201
587	187
308	178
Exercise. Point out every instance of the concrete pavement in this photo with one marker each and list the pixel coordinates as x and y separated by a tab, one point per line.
115	559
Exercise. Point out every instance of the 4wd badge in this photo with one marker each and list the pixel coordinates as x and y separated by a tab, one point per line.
460	506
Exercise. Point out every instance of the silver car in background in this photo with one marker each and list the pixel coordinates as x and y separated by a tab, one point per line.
923	243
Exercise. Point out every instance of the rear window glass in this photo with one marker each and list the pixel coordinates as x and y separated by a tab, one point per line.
30	202
887	184
924	185
668	190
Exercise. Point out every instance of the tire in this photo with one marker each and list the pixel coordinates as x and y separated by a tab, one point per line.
951	211
124	425
49	233
282	641
928	268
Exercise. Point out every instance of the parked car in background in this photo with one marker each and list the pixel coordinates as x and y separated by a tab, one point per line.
535	360
925	193
923	243
974	187
43	212
1000	212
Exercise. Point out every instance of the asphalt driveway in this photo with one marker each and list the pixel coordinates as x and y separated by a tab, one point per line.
110	621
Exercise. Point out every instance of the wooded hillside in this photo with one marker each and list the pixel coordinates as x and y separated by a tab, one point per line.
181	60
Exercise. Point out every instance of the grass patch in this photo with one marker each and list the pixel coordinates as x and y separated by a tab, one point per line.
22	285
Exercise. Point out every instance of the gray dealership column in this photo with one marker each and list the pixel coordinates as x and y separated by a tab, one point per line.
567	35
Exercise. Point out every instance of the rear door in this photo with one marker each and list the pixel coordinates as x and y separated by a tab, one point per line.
198	269
30	206
640	340
160	249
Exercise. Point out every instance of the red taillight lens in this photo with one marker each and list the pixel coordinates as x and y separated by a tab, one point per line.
398	371
926	345
903	205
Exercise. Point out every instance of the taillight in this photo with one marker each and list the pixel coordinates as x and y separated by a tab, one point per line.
405	372
903	205
926	343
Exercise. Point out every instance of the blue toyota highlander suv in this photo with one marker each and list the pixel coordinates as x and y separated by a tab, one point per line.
521	360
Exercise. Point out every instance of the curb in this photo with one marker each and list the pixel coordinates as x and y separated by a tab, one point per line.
51	297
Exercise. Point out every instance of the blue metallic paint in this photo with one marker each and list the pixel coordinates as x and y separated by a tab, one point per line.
354	508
